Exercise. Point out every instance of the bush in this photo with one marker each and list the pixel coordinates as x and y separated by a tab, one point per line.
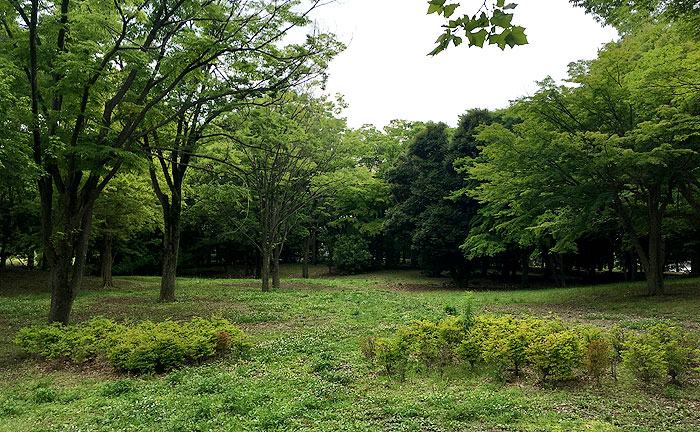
617	337
392	355
506	339
597	351
351	255
644	355
146	347
556	355
679	349
368	348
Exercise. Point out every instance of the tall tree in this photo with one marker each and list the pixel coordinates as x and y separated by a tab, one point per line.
93	72
276	156
261	67
622	139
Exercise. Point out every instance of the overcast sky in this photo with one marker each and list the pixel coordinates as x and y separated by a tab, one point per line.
385	73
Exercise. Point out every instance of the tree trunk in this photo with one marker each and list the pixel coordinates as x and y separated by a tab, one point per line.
3	253
305	258
276	251
107	260
655	267
171	246
30	259
653	258
314	248
67	257
525	264
265	266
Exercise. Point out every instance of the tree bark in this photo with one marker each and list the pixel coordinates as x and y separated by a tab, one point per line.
107	260
3	253
652	259
67	257
265	265
171	247
314	248
276	251
305	258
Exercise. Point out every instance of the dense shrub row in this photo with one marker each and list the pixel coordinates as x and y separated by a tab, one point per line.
555	351
144	347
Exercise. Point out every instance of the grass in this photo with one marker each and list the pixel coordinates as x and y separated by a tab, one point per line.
306	374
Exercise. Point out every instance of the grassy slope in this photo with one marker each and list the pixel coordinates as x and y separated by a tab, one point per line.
306	373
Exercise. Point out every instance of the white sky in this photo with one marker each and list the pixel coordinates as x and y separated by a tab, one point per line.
385	73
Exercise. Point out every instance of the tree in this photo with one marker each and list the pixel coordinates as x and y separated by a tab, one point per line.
622	139
422	212
94	71
260	68
124	208
275	157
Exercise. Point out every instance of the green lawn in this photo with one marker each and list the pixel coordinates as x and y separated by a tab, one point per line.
306	373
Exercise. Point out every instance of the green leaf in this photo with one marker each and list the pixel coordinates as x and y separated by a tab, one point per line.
500	3
518	35
510	6
434	8
450	9
501	19
477	38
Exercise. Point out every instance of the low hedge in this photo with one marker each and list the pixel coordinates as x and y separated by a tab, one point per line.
143	347
548	346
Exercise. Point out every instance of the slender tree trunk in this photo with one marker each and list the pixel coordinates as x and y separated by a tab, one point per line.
314	247
3	253
30	259
305	257
258	264
276	251
265	265
107	260
525	264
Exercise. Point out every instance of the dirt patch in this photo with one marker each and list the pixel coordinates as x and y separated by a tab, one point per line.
413	287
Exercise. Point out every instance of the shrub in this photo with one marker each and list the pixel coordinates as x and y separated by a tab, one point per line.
617	337
678	347
146	347
644	355
597	351
367	348
392	355
351	254
556	355
506	339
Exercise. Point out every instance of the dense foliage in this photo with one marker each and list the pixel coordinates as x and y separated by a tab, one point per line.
555	351
145	347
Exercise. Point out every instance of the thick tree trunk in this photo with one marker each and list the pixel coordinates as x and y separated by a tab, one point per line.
107	260
171	246
305	258
67	258
655	268
653	258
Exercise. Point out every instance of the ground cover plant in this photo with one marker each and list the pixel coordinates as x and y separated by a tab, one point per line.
305	370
